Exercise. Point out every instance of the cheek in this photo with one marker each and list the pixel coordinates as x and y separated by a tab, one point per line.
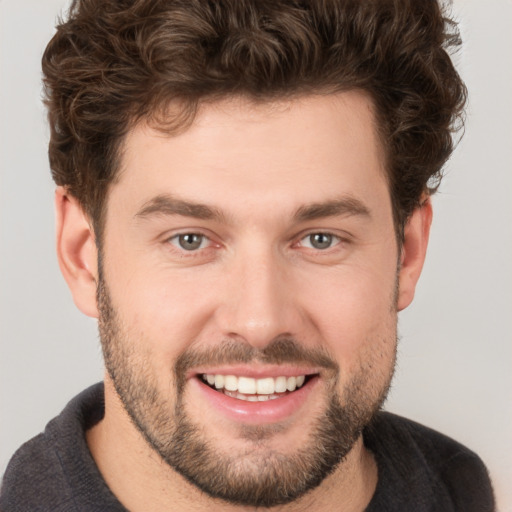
355	314
360	333
166	311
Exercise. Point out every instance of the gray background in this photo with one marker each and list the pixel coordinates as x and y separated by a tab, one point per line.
455	362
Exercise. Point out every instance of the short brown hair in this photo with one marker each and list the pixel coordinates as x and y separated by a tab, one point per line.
113	63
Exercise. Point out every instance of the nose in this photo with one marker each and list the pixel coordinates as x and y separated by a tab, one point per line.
259	302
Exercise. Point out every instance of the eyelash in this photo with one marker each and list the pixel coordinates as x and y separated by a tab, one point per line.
175	240
177	237
335	239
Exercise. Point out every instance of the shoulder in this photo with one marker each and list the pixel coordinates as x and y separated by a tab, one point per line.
55	471
28	474
420	460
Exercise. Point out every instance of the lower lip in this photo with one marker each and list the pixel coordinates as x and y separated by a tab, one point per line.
257	413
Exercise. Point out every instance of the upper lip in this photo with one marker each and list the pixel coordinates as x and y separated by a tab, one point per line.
254	371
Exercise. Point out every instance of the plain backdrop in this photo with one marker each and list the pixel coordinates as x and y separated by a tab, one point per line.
455	355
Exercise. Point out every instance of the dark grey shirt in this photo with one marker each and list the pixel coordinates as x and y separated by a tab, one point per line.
420	470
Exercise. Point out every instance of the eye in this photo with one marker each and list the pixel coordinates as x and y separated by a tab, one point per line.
320	241
190	241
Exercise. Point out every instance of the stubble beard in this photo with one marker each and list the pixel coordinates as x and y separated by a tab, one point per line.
258	477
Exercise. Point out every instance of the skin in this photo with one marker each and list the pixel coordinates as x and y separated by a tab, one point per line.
256	276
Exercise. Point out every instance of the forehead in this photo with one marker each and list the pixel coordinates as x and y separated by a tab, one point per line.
242	152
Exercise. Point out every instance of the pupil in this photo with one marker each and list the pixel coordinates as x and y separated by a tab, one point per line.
190	241
321	240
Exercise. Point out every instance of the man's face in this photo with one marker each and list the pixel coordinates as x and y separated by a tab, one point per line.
248	291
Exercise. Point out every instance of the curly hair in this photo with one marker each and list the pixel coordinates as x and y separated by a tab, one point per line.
114	63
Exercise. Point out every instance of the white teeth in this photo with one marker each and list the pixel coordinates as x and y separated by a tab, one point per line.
291	383
281	385
247	385
219	381
230	383
250	398
254	389
265	386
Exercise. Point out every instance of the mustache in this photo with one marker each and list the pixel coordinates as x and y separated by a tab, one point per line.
279	351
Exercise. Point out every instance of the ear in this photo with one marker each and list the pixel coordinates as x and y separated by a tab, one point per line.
414	250
76	251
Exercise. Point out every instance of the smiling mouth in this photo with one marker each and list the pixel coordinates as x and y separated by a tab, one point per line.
255	390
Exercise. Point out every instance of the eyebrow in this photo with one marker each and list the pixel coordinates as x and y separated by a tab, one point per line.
345	206
168	205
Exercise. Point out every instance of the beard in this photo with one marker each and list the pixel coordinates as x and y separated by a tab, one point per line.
259	476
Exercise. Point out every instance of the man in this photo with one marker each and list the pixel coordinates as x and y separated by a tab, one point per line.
243	203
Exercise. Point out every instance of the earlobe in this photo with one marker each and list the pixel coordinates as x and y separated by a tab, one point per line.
76	251
414	250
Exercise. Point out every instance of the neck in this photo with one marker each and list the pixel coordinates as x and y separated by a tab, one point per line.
143	482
